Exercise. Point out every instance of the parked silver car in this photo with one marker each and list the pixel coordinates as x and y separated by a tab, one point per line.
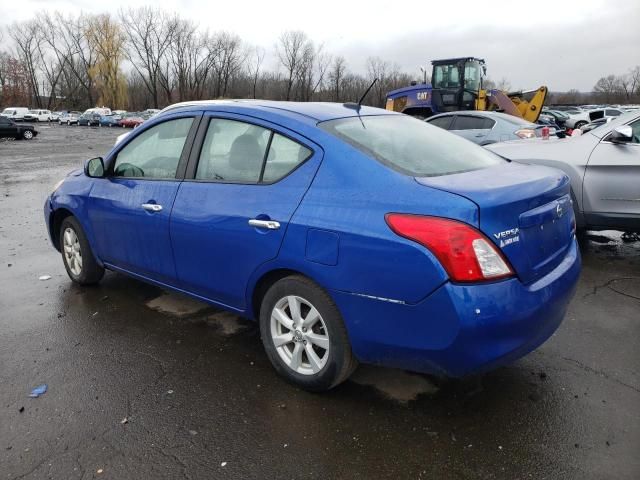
484	128
604	167
579	119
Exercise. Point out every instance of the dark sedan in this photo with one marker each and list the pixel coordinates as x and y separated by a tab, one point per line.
9	129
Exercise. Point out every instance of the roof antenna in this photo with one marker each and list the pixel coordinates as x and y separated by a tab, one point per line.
359	104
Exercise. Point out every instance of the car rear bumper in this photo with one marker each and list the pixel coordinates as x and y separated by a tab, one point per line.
461	329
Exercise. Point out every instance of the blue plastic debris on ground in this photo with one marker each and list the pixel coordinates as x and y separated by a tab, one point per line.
39	390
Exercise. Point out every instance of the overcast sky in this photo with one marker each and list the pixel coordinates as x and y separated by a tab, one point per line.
563	44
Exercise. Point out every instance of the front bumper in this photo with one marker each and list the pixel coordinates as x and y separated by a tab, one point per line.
48	211
461	329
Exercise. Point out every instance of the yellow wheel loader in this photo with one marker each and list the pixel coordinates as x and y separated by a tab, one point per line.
457	84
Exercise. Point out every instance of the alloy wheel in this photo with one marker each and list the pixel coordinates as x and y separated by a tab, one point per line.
72	251
299	335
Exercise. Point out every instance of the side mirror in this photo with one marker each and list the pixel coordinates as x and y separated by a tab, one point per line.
94	167
621	134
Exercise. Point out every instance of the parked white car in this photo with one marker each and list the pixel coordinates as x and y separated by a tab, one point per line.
38	116
98	110
55	116
15	113
579	119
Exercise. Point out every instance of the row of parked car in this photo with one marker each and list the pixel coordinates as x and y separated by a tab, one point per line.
586	117
485	128
97	118
103	117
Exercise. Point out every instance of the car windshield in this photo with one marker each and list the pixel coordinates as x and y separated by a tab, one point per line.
411	146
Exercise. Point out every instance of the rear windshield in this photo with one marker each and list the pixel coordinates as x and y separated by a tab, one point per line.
411	146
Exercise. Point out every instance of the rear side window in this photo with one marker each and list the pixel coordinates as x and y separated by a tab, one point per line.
442	122
232	152
240	152
284	156
468	122
411	146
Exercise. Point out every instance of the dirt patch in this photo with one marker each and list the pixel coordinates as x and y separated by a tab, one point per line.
174	304
396	384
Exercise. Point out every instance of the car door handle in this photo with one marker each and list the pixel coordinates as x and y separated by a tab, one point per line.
268	224
152	207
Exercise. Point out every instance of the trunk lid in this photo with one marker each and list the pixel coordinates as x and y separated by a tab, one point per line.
525	210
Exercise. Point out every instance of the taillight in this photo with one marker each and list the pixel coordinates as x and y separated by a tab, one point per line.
464	252
525	133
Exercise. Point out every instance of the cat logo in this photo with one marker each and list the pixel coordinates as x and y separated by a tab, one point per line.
422	96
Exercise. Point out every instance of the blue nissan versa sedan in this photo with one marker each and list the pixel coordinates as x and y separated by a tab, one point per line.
351	234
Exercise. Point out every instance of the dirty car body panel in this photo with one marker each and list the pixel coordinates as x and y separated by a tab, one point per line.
328	219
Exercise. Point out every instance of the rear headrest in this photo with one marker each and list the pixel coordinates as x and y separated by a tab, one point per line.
245	153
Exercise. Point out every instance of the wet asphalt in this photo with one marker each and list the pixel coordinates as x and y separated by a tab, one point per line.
144	383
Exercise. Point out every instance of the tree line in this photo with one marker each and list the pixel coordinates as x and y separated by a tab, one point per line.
610	89
149	58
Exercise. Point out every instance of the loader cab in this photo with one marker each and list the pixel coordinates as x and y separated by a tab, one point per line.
456	83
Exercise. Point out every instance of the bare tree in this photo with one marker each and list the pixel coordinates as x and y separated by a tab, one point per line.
81	53
228	61
609	87
634	73
291	48
336	76
149	35
257	57
378	68
26	36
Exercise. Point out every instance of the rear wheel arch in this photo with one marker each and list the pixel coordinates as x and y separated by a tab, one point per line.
263	284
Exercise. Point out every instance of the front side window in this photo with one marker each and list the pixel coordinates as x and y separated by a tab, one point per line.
155	153
411	146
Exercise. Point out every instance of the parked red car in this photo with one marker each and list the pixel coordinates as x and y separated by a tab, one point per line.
131	121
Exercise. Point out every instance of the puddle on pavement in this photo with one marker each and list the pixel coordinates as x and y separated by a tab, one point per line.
396	384
614	243
227	323
178	305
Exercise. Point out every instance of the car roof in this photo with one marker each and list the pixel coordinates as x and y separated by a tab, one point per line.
309	112
482	113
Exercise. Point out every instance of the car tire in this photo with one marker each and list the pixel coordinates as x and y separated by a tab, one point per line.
78	259
579	124
324	343
27	134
